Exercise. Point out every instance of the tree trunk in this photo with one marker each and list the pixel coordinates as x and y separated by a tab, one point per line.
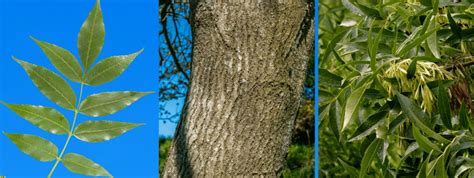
248	68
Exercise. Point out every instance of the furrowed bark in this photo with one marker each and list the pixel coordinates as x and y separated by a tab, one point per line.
248	68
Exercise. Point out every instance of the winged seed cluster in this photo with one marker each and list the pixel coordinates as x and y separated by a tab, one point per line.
56	89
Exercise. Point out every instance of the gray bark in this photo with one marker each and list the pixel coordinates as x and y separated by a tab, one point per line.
248	68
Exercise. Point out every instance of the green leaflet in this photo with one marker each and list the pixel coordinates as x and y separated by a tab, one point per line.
50	84
369	125
369	156
424	143
464	117
108	69
432	40
415	114
62	59
79	164
352	104
107	103
335	118
411	69
98	131
45	118
91	37
411	42
37	147
443	105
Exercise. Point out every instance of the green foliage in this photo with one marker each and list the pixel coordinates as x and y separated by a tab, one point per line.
56	89
395	88
300	161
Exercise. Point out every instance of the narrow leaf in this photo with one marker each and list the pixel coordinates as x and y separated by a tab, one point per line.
369	156
109	69
98	131
45	118
368	126
352	105
50	84
415	114
81	165
37	147
412	42
411	69
464	116
62	59
424	143
335	118
107	103
454	26
91	36
332	45
432	40
443	105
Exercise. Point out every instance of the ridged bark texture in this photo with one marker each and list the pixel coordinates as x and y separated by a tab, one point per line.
248	68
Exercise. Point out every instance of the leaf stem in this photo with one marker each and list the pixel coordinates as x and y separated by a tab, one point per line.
71	132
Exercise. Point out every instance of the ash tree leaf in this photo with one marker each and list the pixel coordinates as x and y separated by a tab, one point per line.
109	69
91	36
50	84
454	26
411	69
335	118
99	131
443	105
107	103
34	146
415	114
62	59
368	126
412	41
352	105
424	143
45	118
464	116
432	40
81	165
369	156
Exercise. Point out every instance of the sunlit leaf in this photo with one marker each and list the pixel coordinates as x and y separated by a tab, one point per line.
107	103
91	36
98	131
50	84
352	105
37	147
109	69
81	165
45	118
62	59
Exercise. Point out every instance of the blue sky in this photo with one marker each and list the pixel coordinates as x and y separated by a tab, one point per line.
167	129
130	25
